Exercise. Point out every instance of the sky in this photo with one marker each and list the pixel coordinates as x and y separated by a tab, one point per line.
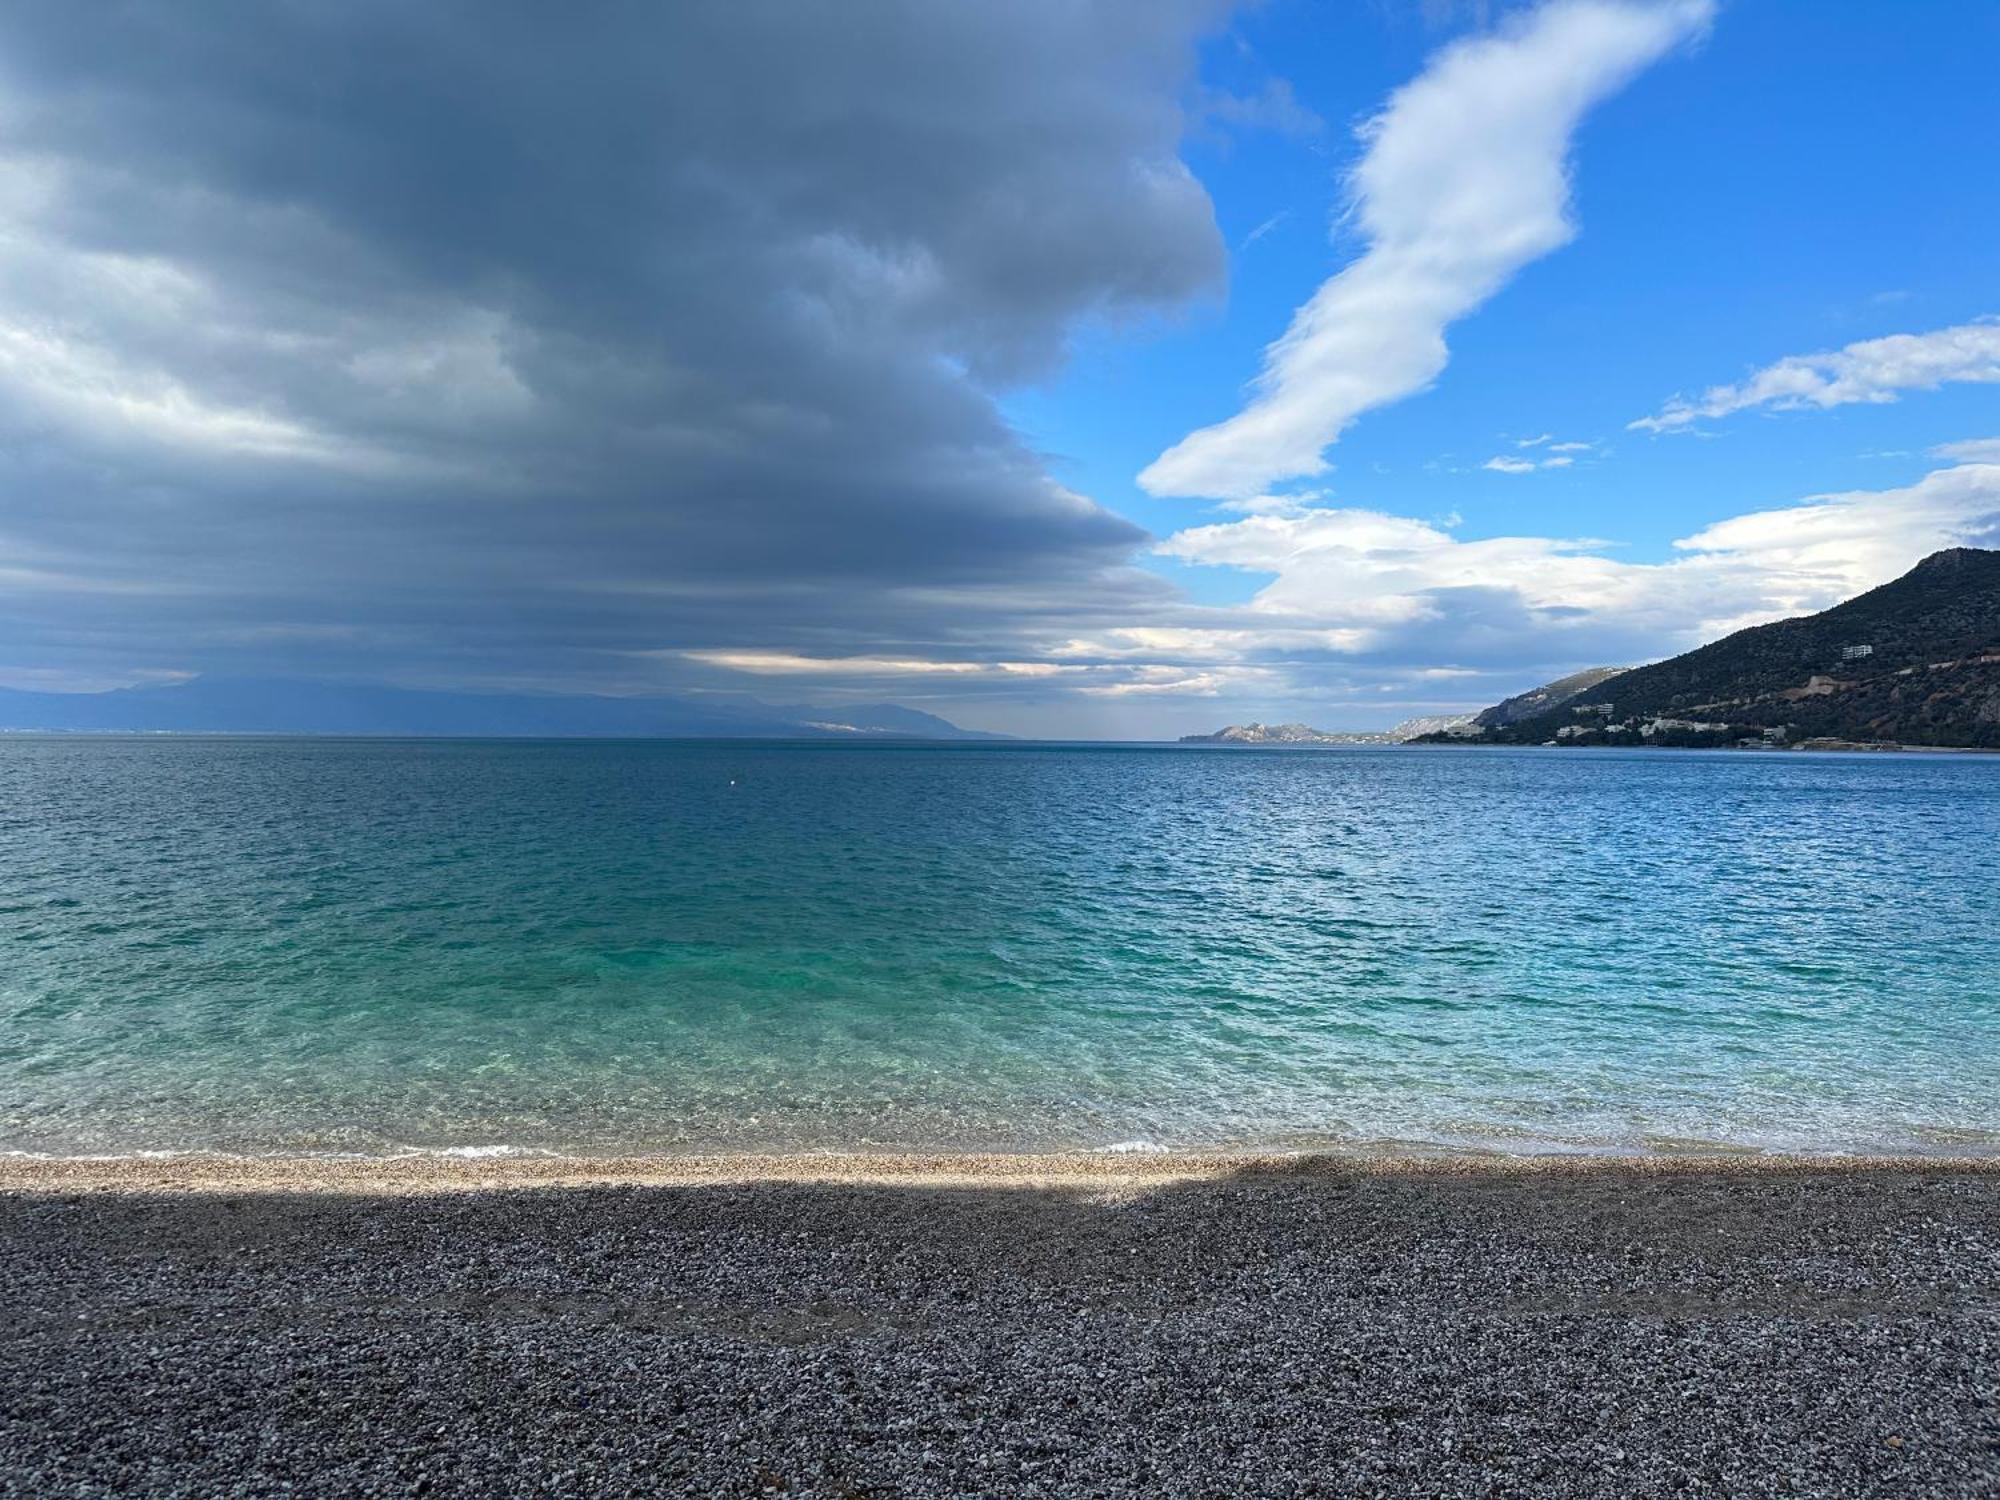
1117	369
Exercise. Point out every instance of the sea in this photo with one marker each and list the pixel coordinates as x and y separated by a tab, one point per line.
377	947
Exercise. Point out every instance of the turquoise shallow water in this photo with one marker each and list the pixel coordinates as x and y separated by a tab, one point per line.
320	945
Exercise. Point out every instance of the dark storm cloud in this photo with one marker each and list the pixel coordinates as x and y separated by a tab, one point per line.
488	340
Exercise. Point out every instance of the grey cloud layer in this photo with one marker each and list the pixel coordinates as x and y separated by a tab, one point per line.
656	345
504	339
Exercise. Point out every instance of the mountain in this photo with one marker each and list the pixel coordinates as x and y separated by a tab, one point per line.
878	719
1540	700
1417	728
242	705
1255	733
1914	662
1285	734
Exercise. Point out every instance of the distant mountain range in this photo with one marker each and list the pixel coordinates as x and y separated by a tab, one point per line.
1914	662
238	705
1255	733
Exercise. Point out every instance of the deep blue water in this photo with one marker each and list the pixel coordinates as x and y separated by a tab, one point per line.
368	946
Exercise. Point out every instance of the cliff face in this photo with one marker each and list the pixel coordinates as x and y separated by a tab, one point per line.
1916	661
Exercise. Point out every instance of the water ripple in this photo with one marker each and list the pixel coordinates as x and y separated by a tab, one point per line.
374	946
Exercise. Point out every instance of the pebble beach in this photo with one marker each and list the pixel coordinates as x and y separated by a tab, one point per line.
1066	1325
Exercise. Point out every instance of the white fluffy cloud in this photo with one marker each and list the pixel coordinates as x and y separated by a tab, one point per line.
1464	181
1367	617
1873	370
1369	585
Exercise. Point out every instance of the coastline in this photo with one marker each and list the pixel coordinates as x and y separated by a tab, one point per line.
1812	747
455	1172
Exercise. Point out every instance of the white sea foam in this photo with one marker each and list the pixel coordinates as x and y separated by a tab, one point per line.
1132	1148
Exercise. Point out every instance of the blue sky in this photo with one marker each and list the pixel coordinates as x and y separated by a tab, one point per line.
1807	175
1787	179
1081	368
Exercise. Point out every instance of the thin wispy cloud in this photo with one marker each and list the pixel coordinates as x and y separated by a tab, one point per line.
1265	228
1872	370
1464	181
1970	451
791	664
1274	107
1537	454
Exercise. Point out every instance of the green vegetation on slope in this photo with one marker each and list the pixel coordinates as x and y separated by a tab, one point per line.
1914	662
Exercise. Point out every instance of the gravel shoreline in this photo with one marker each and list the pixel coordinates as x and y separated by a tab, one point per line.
850	1326
419	1172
